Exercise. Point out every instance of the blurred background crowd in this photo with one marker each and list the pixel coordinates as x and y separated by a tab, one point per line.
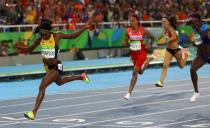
79	11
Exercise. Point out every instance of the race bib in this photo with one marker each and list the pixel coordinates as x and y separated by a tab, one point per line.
135	45
48	53
60	67
197	39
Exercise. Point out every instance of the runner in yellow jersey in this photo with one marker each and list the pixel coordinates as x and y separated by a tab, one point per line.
49	42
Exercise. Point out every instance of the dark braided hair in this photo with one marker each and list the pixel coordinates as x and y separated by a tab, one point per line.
44	24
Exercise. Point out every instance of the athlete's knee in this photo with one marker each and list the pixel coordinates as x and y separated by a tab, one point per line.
59	83
42	88
141	72
165	66
192	70
135	73
181	66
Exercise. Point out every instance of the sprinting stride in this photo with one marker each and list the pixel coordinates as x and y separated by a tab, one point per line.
202	41
49	42
135	37
173	49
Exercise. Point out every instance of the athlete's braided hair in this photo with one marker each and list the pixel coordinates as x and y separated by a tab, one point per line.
44	24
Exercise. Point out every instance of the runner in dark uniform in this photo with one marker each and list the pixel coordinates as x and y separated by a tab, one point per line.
202	42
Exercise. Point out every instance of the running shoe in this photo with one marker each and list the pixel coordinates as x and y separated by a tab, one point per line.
29	115
159	84
85	78
127	96
194	97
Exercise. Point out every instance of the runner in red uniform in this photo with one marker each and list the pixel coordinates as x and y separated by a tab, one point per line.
135	36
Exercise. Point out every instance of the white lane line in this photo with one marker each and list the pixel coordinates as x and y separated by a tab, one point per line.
167	82
116	108
148	114
2	125
5	121
95	95
116	126
14	119
48	123
112	93
180	122
44	115
103	110
105	101
88	117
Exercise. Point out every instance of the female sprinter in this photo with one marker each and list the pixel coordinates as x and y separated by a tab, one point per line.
172	50
135	36
203	50
49	42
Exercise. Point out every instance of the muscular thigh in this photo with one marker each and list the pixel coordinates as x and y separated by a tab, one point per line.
167	59
50	77
197	63
178	55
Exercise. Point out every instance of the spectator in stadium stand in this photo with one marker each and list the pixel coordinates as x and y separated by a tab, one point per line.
11	16
98	17
84	15
78	6
78	54
30	15
27	11
184	39
181	14
112	1
19	12
72	21
4	48
1	49
145	17
19	43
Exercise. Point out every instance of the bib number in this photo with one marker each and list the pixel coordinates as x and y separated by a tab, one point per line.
60	67
197	39
135	46
48	53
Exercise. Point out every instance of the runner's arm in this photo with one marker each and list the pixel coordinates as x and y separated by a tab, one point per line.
150	35
30	48
125	43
